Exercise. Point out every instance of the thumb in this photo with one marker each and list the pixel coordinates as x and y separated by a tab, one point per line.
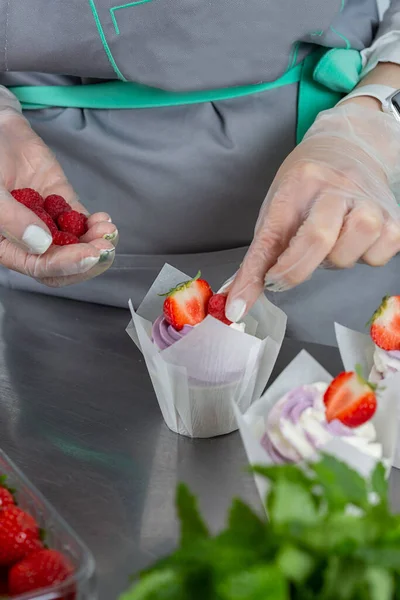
21	226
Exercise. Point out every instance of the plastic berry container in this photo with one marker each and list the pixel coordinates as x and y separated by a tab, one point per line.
59	536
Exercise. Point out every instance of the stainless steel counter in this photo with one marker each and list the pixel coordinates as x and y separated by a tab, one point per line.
79	416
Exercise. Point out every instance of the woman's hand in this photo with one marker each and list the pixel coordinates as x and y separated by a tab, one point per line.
25	161
332	203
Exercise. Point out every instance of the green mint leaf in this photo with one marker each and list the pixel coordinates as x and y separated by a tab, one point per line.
387	557
291	502
380	484
293	473
380	584
162	585
297	565
260	583
244	523
342	579
341	484
339	532
192	524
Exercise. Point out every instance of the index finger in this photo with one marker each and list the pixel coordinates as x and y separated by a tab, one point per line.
279	220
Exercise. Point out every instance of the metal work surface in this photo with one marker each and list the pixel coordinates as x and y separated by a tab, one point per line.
79	417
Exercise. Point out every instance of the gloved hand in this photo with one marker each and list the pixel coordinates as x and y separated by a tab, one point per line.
332	203
25	241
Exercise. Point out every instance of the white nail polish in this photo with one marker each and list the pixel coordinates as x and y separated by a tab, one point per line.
236	310
37	239
87	263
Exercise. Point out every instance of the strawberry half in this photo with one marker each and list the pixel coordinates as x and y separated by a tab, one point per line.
385	324
186	304
350	399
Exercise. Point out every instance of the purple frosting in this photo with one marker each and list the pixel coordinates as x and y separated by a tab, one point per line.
164	335
290	408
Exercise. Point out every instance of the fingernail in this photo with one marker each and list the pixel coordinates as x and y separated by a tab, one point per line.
236	310
37	239
88	263
111	237
106	255
275	285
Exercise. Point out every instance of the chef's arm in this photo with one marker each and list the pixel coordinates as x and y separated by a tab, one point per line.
381	61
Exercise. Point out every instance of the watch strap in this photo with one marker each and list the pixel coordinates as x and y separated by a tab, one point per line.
380	92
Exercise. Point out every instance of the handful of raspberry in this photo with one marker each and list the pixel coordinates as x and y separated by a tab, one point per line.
66	225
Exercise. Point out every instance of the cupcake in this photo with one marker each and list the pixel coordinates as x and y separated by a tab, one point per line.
200	364
385	334
303	421
306	411
186	306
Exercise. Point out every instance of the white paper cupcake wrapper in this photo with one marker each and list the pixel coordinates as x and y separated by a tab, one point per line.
198	379
305	370
358	349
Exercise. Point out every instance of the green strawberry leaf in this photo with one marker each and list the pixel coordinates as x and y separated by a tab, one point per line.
260	583
192	525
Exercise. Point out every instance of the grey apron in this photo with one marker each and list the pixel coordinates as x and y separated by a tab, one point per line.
184	184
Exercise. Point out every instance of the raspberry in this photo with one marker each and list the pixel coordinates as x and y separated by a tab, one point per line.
216	308
63	238
55	205
73	222
28	198
46	218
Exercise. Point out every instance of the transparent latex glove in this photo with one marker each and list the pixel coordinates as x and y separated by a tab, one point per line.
25	161
332	203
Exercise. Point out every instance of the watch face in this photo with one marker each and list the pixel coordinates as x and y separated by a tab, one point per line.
396	102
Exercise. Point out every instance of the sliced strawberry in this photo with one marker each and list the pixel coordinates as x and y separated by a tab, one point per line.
186	304
385	324
350	399
216	308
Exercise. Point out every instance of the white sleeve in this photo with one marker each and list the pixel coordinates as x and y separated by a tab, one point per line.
386	46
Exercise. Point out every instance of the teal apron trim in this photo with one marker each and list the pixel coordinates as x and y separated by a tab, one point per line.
313	96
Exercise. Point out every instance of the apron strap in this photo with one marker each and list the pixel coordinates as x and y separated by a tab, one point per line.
127	95
313	96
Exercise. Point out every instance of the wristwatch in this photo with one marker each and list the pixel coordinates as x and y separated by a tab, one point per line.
389	97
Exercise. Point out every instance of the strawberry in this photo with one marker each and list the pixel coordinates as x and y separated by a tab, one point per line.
186	304
385	324
6	498
28	197
55	205
73	222
40	570
19	535
350	399
46	218
216	308
62	238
